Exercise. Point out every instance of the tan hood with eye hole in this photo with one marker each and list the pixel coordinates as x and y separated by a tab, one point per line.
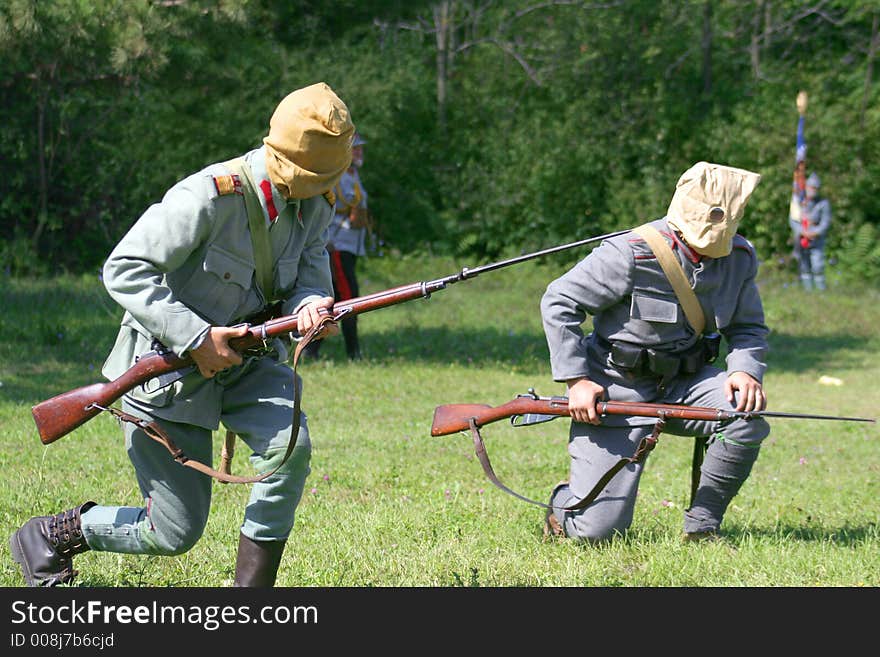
309	142
700	189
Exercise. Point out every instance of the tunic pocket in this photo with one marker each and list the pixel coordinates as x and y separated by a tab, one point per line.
286	275
653	309
229	267
219	288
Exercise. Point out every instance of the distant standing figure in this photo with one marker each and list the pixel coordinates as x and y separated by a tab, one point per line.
809	230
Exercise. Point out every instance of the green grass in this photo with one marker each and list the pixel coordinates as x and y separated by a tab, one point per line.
388	505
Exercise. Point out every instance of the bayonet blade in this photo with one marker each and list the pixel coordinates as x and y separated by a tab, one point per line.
750	414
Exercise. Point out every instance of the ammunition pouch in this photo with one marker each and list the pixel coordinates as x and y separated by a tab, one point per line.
712	345
666	365
627	356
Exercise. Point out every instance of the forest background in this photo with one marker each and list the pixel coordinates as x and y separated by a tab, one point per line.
492	127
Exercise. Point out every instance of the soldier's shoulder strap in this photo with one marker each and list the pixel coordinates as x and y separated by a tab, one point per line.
675	274
259	232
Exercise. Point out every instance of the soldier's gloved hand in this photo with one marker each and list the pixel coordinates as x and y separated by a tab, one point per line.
582	397
751	395
215	354
310	314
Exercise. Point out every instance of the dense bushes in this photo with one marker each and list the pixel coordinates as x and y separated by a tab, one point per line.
491	127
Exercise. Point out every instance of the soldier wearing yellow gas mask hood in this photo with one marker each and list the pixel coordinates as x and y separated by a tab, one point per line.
661	300
221	247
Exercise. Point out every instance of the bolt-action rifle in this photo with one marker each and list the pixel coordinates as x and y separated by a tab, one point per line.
63	413
530	409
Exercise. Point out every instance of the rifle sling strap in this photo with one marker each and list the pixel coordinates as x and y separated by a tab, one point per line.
675	275
645	446
260	243
692	310
154	431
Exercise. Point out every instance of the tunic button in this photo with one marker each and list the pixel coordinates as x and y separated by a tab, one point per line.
227	276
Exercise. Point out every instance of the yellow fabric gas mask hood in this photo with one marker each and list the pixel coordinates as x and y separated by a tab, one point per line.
708	204
309	143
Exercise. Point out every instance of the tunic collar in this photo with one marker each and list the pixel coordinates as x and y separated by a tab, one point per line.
688	252
256	159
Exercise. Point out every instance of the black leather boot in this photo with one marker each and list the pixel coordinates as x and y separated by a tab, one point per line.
44	547
257	562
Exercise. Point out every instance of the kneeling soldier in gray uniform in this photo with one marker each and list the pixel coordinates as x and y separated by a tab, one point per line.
188	271
644	347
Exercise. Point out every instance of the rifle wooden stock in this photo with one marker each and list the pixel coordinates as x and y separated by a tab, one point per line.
63	413
451	418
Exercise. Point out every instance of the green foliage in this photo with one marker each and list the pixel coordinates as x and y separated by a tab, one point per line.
862	246
557	120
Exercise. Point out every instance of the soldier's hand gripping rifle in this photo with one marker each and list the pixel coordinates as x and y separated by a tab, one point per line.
63	413
531	409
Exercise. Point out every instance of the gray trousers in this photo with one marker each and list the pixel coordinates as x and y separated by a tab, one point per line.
259	408
732	449
811	264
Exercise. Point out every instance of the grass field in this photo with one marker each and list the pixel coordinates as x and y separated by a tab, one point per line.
388	505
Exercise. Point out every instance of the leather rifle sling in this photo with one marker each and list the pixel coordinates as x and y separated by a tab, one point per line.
692	310
259	232
645	446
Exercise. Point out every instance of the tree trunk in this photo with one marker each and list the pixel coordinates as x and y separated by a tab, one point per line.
441	23
707	47
869	71
755	45
43	190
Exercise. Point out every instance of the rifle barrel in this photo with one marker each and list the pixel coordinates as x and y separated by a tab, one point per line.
470	273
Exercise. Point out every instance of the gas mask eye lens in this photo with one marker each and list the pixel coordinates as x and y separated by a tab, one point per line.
716	215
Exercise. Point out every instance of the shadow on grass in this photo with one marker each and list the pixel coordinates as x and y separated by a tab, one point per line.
523	350
847	535
790	353
70	369
443	345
